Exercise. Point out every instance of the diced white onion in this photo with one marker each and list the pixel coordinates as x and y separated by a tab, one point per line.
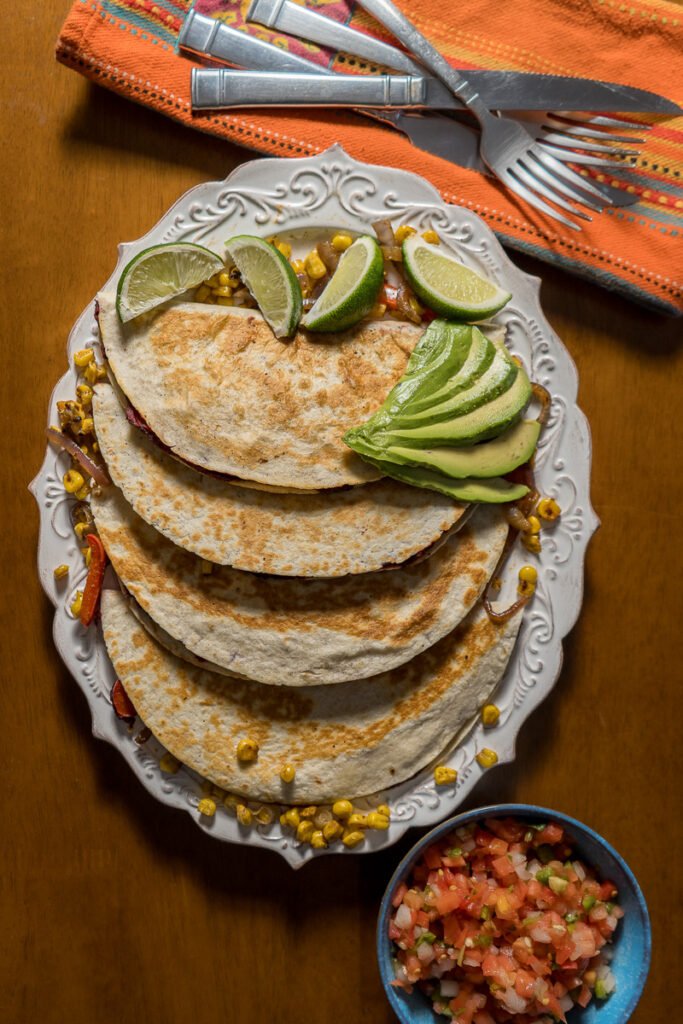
580	870
403	917
539	934
513	1002
425	952
566	1003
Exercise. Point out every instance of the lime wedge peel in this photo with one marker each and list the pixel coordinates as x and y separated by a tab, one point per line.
160	273
352	290
447	286
271	281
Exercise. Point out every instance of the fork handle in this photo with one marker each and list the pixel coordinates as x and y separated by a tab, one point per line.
389	15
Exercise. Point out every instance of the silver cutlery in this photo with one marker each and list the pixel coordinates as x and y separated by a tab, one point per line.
506	146
500	90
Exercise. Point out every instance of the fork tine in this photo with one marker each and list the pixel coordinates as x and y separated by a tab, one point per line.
608	122
527	175
586	196
589	133
559	139
567	173
568	156
515	185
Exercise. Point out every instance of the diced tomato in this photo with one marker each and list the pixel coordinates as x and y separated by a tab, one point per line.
548	836
432	856
584	997
389	296
502	867
608	891
421	919
413	900
400	893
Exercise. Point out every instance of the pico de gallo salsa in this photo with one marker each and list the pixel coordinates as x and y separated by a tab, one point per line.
500	922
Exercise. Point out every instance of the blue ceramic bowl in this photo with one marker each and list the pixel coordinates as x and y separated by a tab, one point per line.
633	937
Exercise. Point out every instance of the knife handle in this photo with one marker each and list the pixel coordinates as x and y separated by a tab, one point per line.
208	36
289	17
220	87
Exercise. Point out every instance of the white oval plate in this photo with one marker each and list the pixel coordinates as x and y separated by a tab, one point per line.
264	197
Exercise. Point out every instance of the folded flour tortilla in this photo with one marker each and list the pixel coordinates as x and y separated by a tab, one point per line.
348	740
300	632
221	392
334	533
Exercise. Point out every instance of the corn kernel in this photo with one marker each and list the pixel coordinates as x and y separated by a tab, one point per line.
490	714
357	821
308	812
287	773
378	821
332	831
223	290
90	372
84	394
224	279
247	750
87	425
534	524
385	810
315	267
73	481
444	776
341	242
83	493
283	820
292	817
223	300
215	280
527	574
304	831
87	555
431	237
207	807
487	758
81	529
318	841
169	764
342	808
377	311
83	357
405	231
298	266
265	815
548	509
60	571
352	839
532	542
285	248
243	814
202	293
76	604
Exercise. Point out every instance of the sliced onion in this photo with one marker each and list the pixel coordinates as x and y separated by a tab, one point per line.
542	395
384	232
394	253
329	255
99	475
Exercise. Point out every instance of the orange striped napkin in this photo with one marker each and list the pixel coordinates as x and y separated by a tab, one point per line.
130	47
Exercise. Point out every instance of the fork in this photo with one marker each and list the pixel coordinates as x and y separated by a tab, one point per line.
508	148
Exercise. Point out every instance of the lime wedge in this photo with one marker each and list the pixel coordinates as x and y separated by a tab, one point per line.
449	287
161	272
271	281
352	290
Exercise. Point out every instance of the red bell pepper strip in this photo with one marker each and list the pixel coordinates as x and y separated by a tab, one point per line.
93	584
121	702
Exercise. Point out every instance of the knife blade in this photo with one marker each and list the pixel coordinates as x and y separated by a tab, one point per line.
501	90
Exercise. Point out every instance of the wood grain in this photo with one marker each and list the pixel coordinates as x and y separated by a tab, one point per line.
115	909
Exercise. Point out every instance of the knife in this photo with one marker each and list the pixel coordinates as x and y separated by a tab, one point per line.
501	90
220	87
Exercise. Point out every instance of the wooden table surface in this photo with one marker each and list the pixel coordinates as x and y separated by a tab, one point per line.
115	908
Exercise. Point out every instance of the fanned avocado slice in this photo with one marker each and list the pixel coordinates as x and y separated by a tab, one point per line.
493	491
440	353
493	382
479	358
497	457
487	421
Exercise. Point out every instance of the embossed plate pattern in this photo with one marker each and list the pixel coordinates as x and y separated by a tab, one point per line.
264	197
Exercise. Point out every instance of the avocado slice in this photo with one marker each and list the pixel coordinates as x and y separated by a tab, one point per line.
480	357
491	458
487	421
493	382
493	491
440	353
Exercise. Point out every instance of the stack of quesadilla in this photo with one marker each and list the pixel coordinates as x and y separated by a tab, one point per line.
272	587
